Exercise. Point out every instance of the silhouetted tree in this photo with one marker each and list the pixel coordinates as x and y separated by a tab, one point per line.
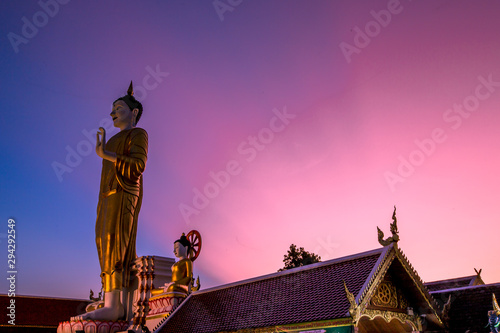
298	257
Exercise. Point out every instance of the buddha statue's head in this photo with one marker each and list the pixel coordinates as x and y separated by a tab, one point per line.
130	104
182	247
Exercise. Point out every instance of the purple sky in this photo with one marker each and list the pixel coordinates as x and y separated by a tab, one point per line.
315	118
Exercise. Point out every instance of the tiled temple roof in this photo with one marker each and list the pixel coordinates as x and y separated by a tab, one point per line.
469	306
465	281
305	294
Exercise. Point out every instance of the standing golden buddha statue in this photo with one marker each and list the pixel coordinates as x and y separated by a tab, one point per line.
120	197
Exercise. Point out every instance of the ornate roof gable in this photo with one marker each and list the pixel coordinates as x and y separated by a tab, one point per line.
394	290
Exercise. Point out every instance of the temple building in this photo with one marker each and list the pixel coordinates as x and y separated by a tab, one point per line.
374	291
465	302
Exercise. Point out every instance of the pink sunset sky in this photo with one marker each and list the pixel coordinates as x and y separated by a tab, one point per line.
316	118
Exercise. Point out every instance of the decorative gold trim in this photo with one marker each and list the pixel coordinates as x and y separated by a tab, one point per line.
418	281
376	280
495	304
197	286
385	296
414	321
446	310
160	315
402	301
354	309
167	295
302	326
387	255
389	296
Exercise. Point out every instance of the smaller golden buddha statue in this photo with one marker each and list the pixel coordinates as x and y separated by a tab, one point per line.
165	299
182	270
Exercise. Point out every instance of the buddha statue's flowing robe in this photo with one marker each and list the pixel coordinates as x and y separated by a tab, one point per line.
182	275
120	199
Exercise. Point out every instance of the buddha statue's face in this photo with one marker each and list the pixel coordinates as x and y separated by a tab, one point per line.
180	251
122	116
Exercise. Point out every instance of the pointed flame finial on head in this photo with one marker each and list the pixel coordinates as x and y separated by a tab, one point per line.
184	241
130	90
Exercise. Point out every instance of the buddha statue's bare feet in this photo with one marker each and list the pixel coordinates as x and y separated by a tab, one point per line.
113	309
105	313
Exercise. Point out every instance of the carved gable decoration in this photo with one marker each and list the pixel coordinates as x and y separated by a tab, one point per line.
389	296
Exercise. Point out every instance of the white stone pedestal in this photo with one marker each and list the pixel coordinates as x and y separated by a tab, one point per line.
151	272
148	272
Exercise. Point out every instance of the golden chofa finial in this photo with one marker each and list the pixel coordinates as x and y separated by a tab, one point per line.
495	304
354	309
394	230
